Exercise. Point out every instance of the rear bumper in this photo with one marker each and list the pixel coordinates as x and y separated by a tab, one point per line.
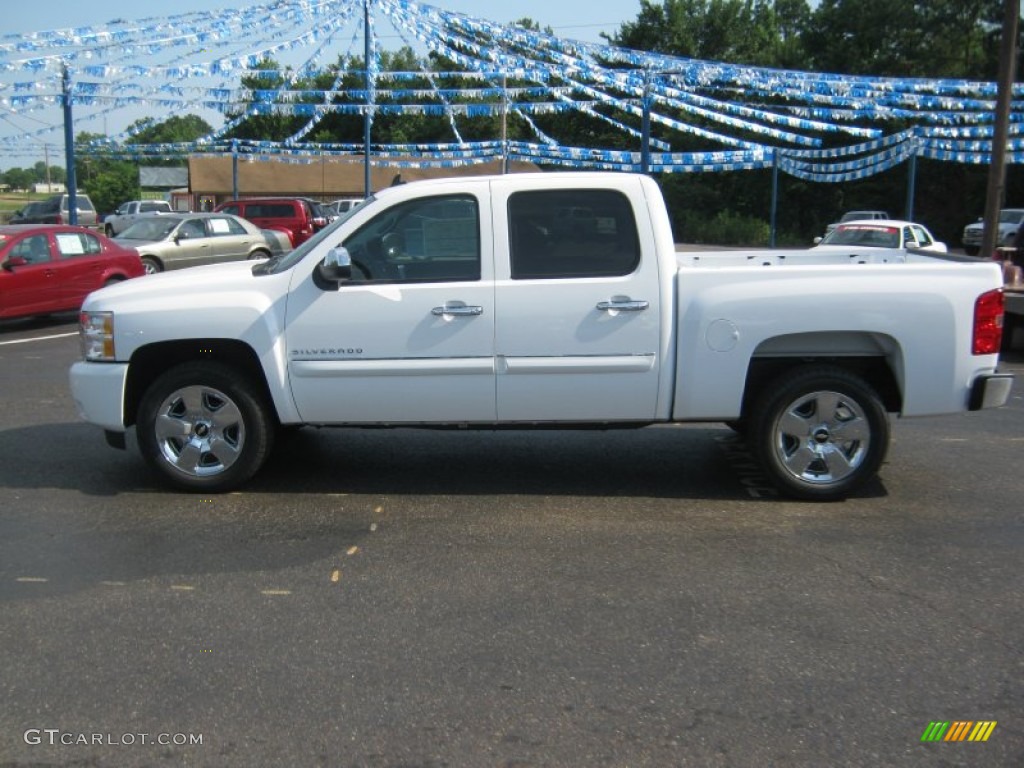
990	390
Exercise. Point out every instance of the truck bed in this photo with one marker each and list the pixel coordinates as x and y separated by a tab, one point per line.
777	257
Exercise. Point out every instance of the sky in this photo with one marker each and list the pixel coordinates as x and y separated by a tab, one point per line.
578	19
575	19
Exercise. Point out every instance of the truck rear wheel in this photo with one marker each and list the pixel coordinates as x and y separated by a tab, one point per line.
204	427
820	432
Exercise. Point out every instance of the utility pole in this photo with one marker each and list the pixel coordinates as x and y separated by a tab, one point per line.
996	189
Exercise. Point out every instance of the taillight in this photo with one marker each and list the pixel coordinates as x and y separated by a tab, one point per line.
988	323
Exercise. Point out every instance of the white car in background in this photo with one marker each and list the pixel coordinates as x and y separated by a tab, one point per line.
880	233
1010	220
344	205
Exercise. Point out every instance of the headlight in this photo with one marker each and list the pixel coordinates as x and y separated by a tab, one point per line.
96	333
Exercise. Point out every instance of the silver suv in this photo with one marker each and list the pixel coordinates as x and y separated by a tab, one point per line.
54	210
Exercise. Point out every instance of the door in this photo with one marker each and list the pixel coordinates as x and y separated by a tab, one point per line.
410	338
193	246
31	286
81	263
229	240
578	317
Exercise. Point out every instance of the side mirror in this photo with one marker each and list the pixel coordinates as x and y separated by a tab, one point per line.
818	240
336	267
14	261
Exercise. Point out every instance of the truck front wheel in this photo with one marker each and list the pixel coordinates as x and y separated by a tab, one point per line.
204	427
820	432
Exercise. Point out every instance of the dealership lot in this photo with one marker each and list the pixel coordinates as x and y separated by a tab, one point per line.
384	598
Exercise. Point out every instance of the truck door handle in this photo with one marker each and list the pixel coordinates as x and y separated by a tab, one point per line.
623	306
458	310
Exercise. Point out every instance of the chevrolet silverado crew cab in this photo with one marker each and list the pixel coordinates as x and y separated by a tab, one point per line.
478	303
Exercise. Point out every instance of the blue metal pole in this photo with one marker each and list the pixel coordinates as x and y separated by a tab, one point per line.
775	197
234	169
367	116
645	127
911	184
69	149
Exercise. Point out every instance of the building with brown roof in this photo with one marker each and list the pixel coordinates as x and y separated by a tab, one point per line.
212	179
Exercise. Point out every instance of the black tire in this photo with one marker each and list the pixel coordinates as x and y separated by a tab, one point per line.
259	254
113	281
151	265
819	432
971	250
108	231
204	427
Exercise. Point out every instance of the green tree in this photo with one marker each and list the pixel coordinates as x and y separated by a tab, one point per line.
107	181
174	130
905	38
265	85
112	186
18	178
738	31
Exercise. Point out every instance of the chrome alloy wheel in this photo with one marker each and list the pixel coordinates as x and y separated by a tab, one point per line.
200	431
822	437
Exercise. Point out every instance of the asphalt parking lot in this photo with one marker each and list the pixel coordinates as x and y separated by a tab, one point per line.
413	598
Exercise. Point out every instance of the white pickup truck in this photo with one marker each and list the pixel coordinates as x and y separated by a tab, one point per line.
128	213
535	300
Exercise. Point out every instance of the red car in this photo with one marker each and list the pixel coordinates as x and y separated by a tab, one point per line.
52	268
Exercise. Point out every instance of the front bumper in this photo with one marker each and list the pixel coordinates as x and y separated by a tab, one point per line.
98	390
990	390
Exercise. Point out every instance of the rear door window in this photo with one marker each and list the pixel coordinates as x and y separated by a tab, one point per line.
572	233
73	244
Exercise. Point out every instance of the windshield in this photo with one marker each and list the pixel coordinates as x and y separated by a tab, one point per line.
1010	217
156	228
290	259
864	234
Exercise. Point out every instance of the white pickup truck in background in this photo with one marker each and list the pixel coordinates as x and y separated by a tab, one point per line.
128	213
535	300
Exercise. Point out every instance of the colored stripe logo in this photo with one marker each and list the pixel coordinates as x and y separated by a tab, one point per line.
959	730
